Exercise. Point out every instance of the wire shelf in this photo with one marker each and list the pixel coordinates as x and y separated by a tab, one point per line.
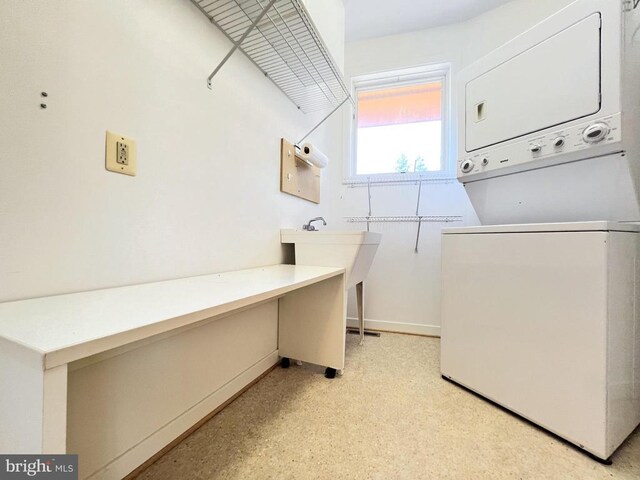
390	181
405	219
279	37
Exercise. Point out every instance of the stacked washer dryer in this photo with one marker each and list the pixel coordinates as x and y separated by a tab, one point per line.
541	304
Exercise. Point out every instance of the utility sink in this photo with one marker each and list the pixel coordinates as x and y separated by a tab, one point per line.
354	250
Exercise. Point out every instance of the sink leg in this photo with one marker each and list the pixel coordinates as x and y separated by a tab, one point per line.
360	301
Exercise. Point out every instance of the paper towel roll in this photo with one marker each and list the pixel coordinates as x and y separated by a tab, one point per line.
312	155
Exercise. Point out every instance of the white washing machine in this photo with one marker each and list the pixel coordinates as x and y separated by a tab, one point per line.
544	320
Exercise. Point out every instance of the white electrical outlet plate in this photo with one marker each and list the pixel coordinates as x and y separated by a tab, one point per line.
120	154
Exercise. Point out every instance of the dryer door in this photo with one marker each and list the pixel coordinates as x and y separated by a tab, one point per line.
551	83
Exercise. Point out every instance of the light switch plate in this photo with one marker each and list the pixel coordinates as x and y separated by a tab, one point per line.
120	154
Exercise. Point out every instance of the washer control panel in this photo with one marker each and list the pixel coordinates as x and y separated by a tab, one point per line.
558	146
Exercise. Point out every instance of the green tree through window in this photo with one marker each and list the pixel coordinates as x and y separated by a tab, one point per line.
402	164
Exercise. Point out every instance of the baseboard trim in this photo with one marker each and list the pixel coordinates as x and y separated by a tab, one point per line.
396	327
133	462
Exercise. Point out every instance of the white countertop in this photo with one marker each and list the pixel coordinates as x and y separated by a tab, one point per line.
65	328
602	226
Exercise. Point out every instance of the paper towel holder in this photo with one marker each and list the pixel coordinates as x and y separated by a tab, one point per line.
298	177
311	155
300	159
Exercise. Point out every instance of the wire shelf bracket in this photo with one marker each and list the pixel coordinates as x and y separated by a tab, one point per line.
323	120
237	44
279	37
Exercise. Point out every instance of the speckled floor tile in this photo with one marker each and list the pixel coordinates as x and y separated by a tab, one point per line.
390	416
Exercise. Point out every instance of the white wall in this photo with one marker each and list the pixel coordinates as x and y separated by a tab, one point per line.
403	288
206	197
328	17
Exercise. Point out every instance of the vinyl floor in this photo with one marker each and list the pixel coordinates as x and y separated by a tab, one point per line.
390	416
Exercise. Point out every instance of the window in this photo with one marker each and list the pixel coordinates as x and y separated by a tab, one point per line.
401	123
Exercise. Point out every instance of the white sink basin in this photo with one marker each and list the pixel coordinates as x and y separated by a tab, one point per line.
353	250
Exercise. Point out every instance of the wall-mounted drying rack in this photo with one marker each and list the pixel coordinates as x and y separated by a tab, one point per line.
279	37
417	218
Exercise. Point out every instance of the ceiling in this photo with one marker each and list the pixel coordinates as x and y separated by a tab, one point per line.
376	18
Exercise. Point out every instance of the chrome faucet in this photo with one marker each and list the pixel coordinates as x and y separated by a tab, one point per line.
310	227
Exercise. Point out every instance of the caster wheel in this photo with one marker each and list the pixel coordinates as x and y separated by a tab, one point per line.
285	362
330	372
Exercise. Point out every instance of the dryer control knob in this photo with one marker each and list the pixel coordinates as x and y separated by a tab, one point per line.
466	166
485	162
558	142
596	132
535	148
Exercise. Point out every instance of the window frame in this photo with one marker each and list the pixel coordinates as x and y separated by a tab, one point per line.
398	78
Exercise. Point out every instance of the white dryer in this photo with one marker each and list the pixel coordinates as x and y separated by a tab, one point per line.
550	122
